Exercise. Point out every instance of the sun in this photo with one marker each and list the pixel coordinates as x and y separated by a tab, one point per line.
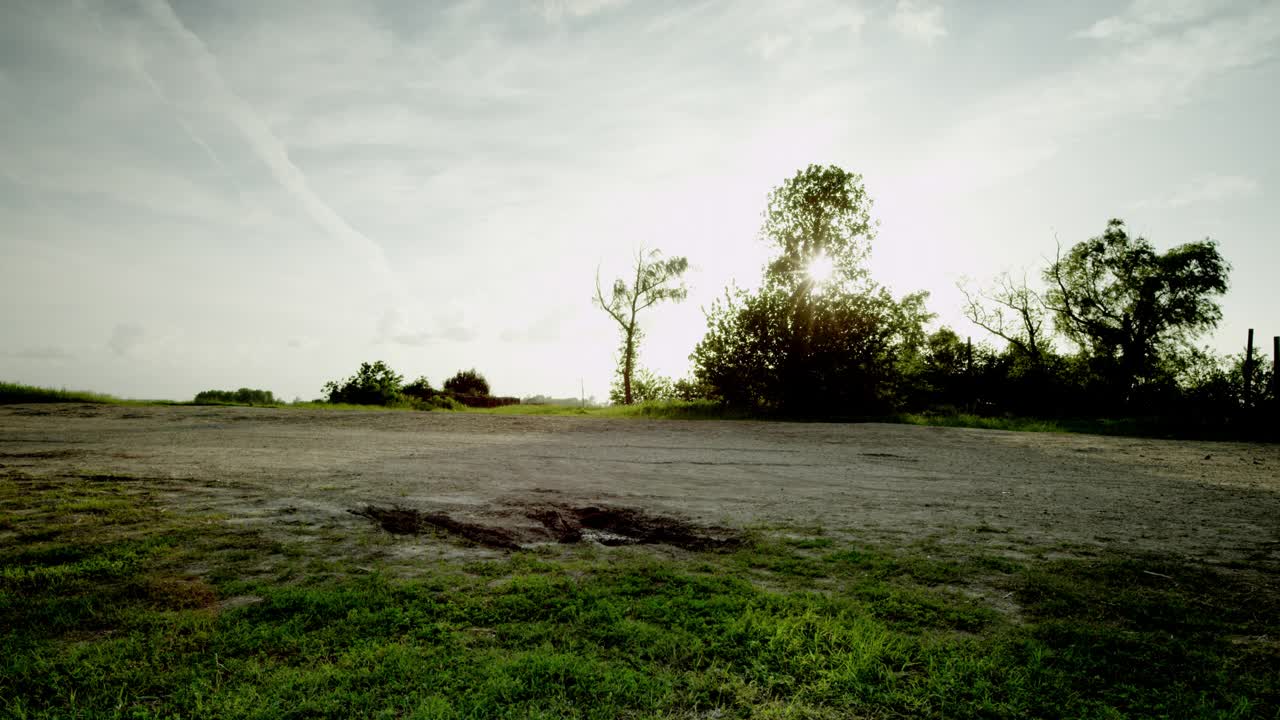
820	269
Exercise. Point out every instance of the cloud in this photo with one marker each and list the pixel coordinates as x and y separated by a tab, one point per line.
554	10
918	21
125	337
1015	131
545	329
268	148
46	353
1143	18
447	328
1208	190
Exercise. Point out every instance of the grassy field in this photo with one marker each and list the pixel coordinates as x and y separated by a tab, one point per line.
114	607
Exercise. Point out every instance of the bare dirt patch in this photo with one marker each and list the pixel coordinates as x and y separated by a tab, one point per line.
557	523
1013	493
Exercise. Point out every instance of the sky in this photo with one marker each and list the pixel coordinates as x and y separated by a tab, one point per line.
200	194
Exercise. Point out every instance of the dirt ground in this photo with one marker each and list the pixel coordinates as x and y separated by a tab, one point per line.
290	470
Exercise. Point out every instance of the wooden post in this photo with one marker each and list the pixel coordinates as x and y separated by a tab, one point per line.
1248	371
1275	370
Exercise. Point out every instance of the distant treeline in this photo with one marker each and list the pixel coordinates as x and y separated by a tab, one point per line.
243	396
562	401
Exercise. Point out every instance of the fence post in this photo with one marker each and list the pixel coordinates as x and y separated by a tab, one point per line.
1248	371
1275	370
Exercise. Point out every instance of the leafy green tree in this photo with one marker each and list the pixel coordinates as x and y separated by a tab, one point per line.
467	382
1127	305
819	223
819	337
375	384
655	280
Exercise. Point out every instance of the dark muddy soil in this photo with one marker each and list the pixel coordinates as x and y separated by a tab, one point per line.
559	523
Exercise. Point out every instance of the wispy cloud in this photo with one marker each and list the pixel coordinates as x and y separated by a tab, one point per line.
269	149
560	9
446	328
918	20
1208	190
44	353
1143	18
1011	132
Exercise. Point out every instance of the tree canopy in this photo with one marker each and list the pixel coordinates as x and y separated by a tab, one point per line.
817	337
822	213
1126	304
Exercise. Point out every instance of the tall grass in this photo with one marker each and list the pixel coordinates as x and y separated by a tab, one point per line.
13	393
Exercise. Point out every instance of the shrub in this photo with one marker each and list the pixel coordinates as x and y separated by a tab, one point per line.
420	389
646	386
374	384
467	382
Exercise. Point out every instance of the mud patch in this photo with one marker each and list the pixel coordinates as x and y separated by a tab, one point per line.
516	527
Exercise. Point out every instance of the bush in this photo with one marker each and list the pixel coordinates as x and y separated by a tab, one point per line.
243	396
374	384
439	401
420	389
645	387
467	382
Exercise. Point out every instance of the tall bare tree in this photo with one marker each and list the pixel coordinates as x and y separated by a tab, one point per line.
654	281
1012	311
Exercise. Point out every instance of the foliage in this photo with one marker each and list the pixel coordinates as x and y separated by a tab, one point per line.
467	382
645	387
840	354
374	384
821	211
1129	306
656	280
243	396
805	346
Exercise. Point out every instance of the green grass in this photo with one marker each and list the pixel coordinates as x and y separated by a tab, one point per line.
968	420
109	608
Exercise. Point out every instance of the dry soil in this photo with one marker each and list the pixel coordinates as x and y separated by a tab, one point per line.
287	471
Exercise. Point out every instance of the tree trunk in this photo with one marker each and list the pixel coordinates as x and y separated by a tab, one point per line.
628	365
